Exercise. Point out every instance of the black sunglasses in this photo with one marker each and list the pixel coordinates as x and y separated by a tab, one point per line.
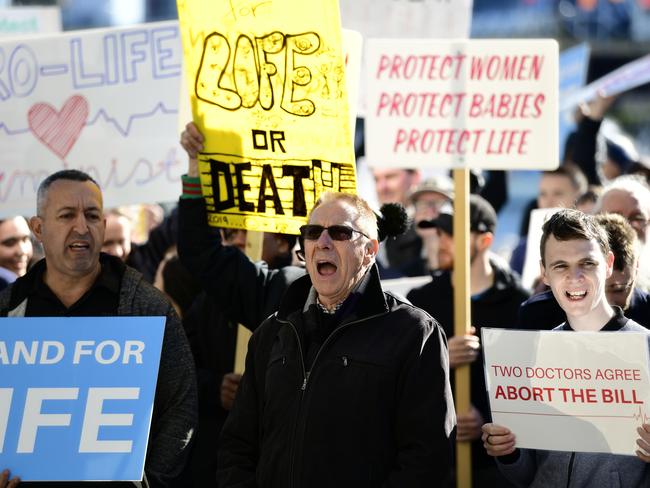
312	232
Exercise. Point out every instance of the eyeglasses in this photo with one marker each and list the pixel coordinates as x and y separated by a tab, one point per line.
312	232
638	221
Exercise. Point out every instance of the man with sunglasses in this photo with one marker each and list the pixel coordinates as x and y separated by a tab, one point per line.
345	385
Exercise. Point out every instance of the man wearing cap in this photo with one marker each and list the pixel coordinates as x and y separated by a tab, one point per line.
496	296
428	198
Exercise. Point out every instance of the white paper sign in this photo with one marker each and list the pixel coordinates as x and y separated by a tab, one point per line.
452	104
17	21
631	75
104	101
568	391
408	18
531	270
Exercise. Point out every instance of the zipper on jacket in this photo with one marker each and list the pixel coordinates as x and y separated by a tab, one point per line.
305	380
568	479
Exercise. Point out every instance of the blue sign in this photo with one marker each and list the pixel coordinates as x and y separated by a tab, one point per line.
573	75
76	396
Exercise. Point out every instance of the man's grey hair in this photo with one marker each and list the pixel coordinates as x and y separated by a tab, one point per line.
632	184
65	174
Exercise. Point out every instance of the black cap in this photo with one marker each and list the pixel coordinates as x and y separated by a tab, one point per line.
482	217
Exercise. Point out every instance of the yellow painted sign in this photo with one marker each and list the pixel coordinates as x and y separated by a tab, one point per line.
267	85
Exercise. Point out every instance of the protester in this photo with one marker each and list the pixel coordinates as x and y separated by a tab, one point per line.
402	255
542	312
575	263
177	283
75	279
496	295
15	249
345	385
213	338
559	188
427	200
145	257
629	196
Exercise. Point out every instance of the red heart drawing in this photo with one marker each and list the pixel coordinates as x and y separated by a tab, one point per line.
59	130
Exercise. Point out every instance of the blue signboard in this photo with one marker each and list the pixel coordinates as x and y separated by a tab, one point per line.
573	75
76	396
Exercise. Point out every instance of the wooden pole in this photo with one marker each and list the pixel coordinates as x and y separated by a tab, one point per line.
254	241
462	314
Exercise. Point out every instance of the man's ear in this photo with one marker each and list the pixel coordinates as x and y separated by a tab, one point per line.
485	241
542	273
610	263
36	226
371	251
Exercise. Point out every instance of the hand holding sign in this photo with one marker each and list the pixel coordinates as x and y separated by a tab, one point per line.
498	440
5	482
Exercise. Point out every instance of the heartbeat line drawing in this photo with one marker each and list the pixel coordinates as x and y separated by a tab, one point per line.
103	115
640	415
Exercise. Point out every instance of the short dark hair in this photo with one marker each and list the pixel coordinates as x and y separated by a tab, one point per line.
570	224
622	239
64	174
574	174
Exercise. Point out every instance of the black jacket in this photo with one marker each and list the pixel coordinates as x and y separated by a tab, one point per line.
495	307
542	312
236	290
375	410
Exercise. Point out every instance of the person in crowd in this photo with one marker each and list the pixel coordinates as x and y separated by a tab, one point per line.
575	258
402	255
345	385
177	283
629	196
558	188
213	338
144	257
75	279
587	201
16	249
496	294
542	311
427	199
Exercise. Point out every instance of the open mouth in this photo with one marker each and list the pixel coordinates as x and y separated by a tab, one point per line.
576	295
79	246
326	268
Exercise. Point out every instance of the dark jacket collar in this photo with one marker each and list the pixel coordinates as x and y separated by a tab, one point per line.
370	299
109	277
617	322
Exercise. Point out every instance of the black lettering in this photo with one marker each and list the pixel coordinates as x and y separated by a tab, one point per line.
267	175
256	144
277	136
220	168
244	206
298	173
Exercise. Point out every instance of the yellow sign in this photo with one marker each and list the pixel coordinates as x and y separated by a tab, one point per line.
267	85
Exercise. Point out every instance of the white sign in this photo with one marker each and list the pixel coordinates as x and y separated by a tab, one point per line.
569	391
531	270
29	20
452	104
104	101
408	18
631	75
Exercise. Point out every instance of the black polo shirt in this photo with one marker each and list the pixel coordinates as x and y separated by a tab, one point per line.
616	323
101	299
